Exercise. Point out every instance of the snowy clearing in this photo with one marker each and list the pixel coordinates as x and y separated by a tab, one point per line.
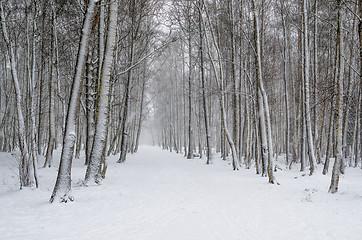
160	195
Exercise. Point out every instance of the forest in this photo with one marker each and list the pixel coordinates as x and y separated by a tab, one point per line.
180	119
260	84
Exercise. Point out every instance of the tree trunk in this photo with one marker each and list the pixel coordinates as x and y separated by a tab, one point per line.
33	107
125	133
90	106
190	154
286	79
203	86
140	120
62	186
93	169
360	75
329	142
312	159
234	103
51	137
264	117
315	71
338	153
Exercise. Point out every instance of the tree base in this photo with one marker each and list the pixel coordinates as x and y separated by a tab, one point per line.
63	199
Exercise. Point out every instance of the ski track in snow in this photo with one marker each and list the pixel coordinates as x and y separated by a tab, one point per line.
157	195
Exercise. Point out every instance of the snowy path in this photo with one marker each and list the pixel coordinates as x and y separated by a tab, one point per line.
157	195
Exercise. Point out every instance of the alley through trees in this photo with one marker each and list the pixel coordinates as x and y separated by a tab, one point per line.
161	195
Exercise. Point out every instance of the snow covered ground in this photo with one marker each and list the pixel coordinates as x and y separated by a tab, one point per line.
157	195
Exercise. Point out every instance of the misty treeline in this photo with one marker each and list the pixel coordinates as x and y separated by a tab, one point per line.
258	81
261	83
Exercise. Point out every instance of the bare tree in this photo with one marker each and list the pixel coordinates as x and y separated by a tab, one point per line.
99	142
63	186
338	153
264	117
312	159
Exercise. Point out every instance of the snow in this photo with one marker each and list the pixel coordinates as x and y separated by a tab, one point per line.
158	195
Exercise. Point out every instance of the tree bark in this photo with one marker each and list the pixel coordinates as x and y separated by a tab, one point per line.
203	86
264	117
190	154
93	169
234	104
312	159
338	152
140	120
51	137
329	142
62	186
360	74
125	132
286	79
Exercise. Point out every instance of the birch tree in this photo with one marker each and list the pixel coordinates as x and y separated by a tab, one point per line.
235	109
51	137
99	142
283	4
203	85
312	159
62	188
190	148
264	117
338	153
